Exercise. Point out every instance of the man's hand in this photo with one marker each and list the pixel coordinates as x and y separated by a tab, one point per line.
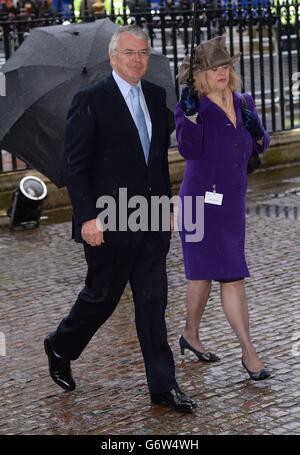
189	101
92	233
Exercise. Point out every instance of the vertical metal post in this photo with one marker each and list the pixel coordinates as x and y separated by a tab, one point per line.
271	63
290	65
261	63
297	28
241	38
251	50
280	66
175	51
6	40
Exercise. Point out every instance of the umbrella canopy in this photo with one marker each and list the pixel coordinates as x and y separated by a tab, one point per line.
42	77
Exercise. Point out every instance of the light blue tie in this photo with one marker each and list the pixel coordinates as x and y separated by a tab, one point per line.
140	120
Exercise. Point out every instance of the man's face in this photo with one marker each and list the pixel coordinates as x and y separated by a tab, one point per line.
131	58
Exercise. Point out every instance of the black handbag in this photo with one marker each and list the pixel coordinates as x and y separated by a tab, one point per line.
254	160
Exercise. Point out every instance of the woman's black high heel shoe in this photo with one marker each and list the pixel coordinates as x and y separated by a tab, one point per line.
204	356
260	375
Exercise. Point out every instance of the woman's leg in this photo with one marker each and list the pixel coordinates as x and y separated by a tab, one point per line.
235	307
197	295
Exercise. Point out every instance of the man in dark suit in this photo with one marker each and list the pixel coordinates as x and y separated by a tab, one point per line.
117	137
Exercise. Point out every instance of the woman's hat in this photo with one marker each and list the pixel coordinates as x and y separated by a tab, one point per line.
208	55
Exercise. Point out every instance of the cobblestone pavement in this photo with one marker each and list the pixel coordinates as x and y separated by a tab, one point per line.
41	271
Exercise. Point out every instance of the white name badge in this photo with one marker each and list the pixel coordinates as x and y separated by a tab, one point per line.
213	198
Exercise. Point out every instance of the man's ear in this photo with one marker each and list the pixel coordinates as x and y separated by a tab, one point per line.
111	58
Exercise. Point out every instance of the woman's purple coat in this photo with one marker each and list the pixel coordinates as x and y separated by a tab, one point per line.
216	153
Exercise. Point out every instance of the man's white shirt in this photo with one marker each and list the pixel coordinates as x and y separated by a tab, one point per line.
124	88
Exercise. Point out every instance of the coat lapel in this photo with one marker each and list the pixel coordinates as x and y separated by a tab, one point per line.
119	103
237	102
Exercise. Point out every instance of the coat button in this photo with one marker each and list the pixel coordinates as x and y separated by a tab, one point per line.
237	164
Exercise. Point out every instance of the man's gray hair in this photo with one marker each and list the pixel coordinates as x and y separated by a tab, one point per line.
133	30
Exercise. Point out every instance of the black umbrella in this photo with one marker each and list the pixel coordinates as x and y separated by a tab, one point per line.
190	81
43	76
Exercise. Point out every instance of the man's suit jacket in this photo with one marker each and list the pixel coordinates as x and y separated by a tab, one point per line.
102	152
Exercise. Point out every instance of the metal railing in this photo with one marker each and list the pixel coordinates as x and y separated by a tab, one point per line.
267	34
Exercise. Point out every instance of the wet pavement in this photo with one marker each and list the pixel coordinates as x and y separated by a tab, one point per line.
42	270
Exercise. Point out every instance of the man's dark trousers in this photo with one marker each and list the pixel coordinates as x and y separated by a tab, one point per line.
110	267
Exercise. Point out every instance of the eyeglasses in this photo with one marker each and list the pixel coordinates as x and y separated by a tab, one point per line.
144	53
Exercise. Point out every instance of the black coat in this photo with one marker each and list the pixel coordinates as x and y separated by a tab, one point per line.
103	152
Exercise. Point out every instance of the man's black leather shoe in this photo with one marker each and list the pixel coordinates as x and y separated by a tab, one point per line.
175	398
59	369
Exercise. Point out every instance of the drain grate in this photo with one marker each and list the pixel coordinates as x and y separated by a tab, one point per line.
281	205
275	211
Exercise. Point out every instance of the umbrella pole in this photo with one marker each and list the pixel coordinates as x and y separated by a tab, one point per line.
190	81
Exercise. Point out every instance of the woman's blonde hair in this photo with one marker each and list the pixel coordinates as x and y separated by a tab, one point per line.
202	87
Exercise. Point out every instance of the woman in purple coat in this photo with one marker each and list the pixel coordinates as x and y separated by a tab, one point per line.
216	144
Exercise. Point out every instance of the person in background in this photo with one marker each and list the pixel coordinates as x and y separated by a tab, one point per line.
46	8
8	9
29	8
92	8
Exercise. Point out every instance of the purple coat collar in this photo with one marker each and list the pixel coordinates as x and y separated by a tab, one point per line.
205	102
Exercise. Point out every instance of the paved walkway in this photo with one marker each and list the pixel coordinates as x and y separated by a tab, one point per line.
41	271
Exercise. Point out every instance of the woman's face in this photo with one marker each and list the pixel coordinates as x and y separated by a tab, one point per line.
218	78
